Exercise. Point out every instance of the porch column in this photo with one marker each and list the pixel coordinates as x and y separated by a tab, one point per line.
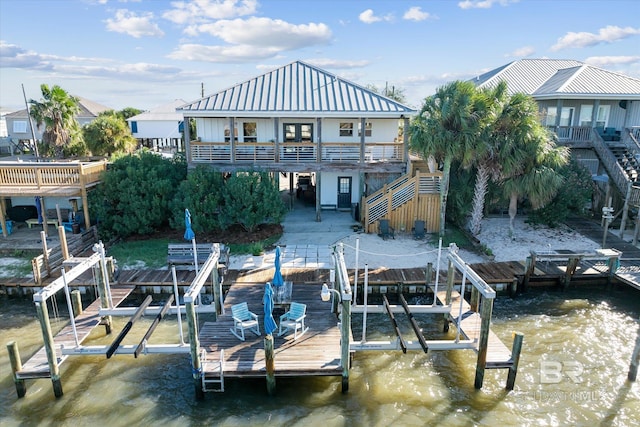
558	113
232	138
276	138
363	122
405	141
319	144
187	137
45	226
318	190
594	113
3	220
318	173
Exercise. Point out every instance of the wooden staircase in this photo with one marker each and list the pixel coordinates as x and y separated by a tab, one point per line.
628	161
403	201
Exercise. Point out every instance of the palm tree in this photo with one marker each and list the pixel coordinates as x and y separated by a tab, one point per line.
56	112
486	152
448	128
529	156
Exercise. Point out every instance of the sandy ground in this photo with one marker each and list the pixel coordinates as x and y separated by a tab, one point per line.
405	252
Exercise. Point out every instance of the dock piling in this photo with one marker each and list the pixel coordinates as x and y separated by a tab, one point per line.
270	365
49	345
16	366
486	309
635	360
515	357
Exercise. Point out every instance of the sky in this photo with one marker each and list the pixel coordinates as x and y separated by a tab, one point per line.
146	53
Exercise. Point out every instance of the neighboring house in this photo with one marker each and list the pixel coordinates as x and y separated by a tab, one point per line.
19	129
594	111
300	119
159	128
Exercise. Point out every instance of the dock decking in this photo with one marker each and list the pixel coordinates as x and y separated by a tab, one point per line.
38	366
315	353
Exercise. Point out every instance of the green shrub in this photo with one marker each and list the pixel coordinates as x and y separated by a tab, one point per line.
135	195
202	194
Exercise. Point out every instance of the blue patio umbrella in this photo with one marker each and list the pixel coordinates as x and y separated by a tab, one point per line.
267	300
277	275
190	235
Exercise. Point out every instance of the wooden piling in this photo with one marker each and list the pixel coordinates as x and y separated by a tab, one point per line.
63	243
49	346
513	288
429	273
194	344
45	255
270	365
515	357
345	327
451	276
485	317
572	264
77	302
16	366
635	360
474	300
529	269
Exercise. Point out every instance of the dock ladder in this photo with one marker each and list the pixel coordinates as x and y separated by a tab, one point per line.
212	373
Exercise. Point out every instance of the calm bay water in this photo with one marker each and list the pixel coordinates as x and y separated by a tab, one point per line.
573	371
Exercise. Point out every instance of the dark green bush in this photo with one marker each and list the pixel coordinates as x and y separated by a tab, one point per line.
202	194
135	195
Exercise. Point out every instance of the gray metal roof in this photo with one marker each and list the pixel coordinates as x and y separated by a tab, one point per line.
164	112
87	110
558	78
296	89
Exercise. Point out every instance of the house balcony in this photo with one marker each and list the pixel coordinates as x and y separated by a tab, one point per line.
49	178
298	153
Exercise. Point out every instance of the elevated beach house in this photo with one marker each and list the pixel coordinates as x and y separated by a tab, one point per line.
595	112
301	120
160	128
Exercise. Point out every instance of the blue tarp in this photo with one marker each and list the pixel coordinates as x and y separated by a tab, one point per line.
39	209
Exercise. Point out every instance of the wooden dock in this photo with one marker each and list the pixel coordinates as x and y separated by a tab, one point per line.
38	366
316	353
498	355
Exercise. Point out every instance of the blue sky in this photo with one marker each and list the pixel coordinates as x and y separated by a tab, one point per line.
144	53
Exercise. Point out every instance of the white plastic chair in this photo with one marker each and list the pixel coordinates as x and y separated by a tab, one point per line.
244	319
294	319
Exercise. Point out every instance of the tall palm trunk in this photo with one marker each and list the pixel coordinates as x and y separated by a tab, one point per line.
479	193
444	192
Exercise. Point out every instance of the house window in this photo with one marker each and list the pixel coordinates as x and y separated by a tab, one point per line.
346	129
249	130
19	127
585	115
367	129
550	116
602	118
134	127
298	132
227	133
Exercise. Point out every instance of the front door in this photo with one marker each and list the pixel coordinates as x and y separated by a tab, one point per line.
344	192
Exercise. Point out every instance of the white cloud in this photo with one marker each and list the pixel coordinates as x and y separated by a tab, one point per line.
608	34
416	14
337	63
266	32
604	61
521	52
369	17
222	54
14	56
483	4
134	25
199	11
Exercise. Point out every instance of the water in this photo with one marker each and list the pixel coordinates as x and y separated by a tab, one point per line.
584	339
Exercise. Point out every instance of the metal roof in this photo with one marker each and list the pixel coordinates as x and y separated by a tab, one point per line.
164	112
558	78
296	89
87	110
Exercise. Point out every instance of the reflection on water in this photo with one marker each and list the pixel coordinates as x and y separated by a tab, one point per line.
573	370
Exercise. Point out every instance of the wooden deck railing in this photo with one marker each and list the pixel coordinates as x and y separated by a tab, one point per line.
331	152
41	175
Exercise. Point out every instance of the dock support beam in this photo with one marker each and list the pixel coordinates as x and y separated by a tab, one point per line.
345	326
451	276
52	358
270	365
485	316
16	366
635	360
572	264
194	343
515	357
